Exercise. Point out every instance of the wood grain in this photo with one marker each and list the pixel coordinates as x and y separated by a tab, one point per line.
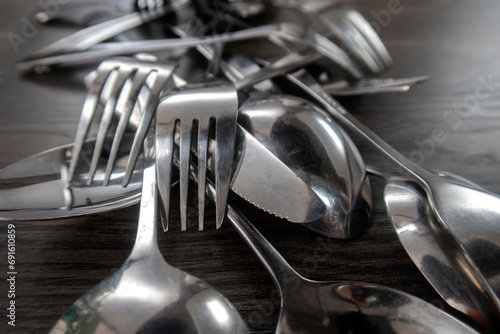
455	42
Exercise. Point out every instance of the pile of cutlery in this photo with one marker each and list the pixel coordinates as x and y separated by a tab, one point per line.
202	104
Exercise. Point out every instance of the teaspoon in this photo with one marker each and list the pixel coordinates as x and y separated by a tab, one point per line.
436	254
470	215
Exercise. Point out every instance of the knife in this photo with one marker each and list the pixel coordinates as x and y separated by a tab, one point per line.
37	187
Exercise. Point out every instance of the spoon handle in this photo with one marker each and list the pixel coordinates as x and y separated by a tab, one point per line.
276	265
307	83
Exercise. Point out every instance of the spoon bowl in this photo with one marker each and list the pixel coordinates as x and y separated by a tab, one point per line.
319	152
437	255
441	260
469	214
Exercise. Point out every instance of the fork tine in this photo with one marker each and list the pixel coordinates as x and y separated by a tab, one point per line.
224	150
203	127
137	84
164	152
184	161
106	121
149	110
88	111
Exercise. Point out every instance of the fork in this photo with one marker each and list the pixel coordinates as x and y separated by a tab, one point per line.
113	74
207	105
100	92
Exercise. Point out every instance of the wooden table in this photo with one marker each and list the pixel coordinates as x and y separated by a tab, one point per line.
455	42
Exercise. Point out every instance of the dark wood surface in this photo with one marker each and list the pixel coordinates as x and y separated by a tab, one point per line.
455	42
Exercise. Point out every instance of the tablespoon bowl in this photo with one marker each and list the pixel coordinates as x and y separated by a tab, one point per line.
436	253
319	152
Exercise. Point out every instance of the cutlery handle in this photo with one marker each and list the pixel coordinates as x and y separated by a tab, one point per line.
303	80
272	260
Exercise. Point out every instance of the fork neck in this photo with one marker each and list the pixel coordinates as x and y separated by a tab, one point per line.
146	240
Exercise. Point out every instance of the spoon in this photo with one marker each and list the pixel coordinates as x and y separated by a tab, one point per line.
333	168
317	307
470	215
453	275
147	295
437	255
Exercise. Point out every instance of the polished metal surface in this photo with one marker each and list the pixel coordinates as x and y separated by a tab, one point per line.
38	187
438	255
471	215
378	254
147	295
264	180
256	169
198	109
243	72
309	306
286	31
125	69
471	294
90	36
25	185
372	86
307	140
251	179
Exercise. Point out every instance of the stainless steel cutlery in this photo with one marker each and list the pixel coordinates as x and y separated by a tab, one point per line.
249	112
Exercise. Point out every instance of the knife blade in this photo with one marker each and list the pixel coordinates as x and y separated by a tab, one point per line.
260	176
37	188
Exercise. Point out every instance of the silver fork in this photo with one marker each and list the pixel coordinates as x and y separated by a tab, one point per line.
127	95
79	11
207	103
113	74
360	33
